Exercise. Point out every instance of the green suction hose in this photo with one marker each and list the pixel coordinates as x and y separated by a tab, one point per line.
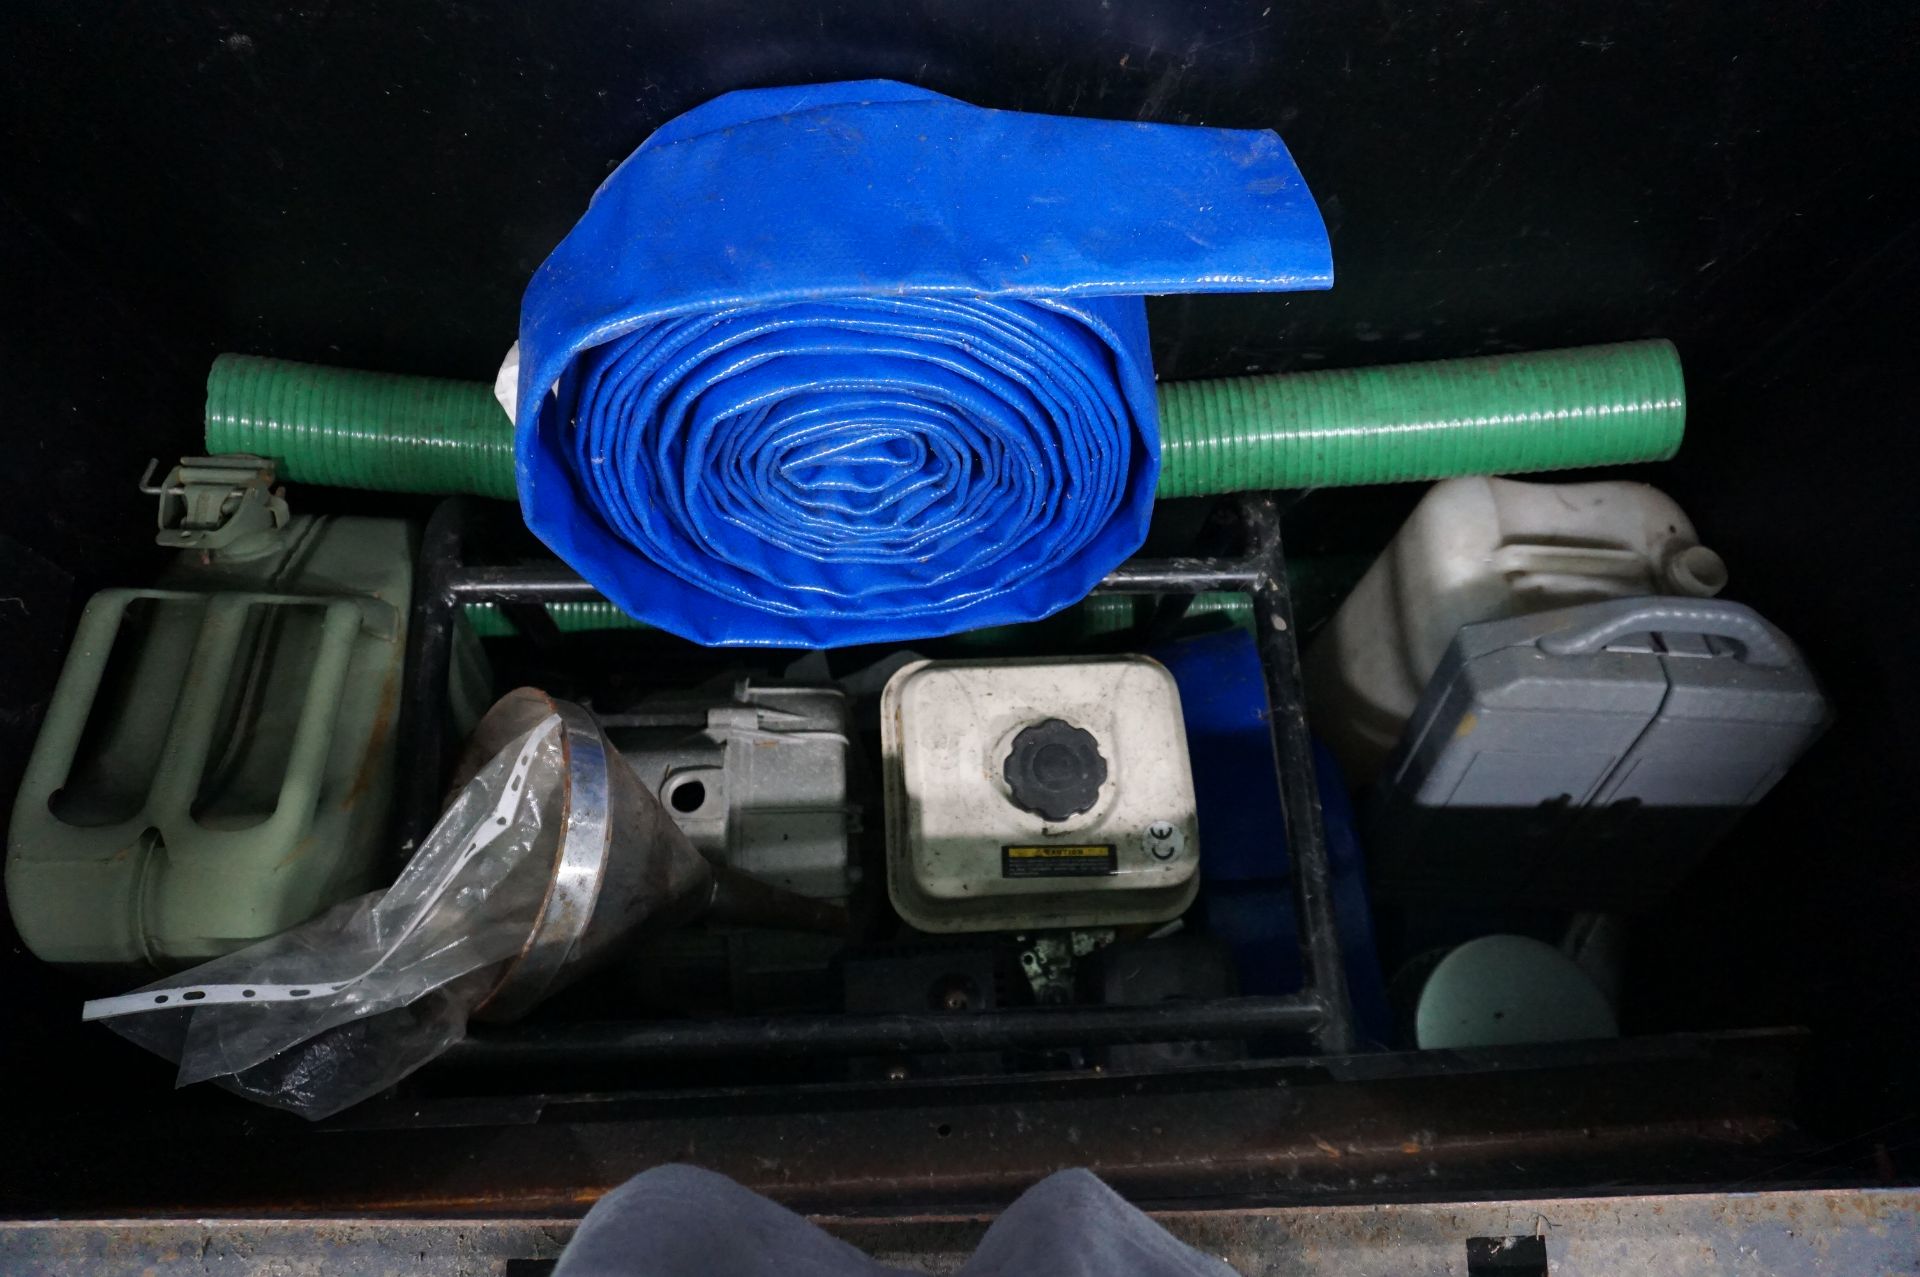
1318	583
1556	410
1090	618
489	621
1508	414
346	429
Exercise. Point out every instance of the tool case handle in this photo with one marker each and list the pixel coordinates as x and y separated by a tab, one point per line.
1602	623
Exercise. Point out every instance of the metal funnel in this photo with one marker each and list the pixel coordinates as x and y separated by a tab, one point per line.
621	870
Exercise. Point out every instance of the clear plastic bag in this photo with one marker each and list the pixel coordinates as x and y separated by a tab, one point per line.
339	1008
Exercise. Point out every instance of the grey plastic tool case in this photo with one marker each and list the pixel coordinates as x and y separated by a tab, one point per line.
1587	757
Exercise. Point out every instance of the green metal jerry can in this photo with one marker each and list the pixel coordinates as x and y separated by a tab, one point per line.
217	762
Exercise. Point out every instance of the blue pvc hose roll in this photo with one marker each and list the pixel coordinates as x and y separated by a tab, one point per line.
858	363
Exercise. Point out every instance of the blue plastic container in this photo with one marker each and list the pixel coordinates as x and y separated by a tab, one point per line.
1245	890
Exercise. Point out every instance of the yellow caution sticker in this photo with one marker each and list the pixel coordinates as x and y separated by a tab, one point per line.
1084	860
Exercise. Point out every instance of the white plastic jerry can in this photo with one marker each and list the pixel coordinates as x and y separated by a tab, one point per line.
1480	549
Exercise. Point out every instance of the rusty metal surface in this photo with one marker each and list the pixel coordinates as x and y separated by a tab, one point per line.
1667	1112
1811	1232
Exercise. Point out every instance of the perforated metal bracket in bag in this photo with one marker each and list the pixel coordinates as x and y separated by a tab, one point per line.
512	795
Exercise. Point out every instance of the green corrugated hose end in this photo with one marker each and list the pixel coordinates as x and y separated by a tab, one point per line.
488	621
1088	619
1102	614
1318	583
347	429
1507	414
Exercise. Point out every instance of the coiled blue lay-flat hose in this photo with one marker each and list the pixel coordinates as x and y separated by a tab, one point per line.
857	362
756	447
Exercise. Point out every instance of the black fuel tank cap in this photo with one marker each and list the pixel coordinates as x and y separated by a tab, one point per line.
1055	769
